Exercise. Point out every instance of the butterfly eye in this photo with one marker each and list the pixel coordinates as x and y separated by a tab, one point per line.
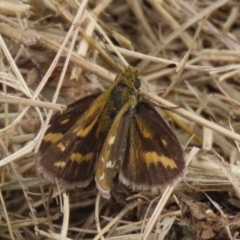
137	83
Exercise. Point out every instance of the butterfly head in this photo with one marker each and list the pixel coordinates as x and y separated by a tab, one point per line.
130	77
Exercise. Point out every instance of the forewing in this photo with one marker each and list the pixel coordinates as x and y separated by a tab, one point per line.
73	152
153	156
61	123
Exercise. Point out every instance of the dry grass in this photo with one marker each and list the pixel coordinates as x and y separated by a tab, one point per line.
49	49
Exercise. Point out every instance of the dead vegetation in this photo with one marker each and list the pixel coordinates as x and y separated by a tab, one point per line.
50	56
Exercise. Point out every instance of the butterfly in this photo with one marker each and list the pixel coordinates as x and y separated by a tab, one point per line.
115	133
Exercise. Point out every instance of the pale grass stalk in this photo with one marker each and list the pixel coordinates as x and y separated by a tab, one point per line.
14	8
25	89
183	62
210	171
30	102
82	50
3	206
224	92
97	211
84	45
226	170
207	138
196	17
218	55
147	212
66	213
137	9
73	29
108	41
6	112
227	68
101	7
55	193
233	16
115	220
161	9
231	128
164	226
22	152
203	103
142	56
22	138
229	75
20	79
225	98
51	235
209	27
157	211
20	180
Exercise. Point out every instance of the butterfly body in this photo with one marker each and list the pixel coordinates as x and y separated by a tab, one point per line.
112	133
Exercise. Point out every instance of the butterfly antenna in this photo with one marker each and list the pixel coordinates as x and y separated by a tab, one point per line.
100	36
171	65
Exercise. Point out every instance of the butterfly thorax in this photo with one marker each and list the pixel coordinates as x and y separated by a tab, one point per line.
126	87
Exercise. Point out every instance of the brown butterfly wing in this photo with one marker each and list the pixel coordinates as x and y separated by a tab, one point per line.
69	149
153	155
